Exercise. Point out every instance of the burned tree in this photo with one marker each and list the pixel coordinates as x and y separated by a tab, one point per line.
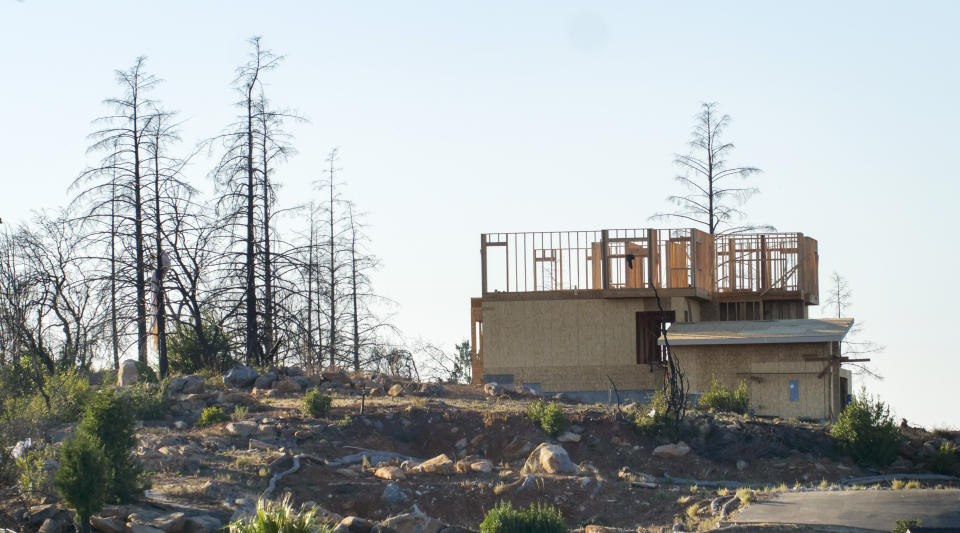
238	175
712	202
123	139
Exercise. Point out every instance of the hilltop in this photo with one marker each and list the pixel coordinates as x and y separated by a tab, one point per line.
442	455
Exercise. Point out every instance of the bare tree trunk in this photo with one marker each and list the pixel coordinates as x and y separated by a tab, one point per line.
268	334
113	277
353	286
138	231
333	278
250	290
159	273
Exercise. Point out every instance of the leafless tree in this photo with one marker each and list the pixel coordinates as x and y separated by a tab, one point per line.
123	138
713	202
839	302
238	174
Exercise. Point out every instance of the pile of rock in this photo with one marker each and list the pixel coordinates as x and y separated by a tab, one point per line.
290	380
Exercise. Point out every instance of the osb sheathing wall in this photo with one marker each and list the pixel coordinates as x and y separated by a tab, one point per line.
767	369
572	345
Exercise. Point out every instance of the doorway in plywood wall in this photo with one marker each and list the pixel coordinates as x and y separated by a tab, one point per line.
648	332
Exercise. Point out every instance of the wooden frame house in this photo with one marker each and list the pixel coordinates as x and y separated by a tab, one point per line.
576	311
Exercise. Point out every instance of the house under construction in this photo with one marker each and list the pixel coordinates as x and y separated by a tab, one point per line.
576	312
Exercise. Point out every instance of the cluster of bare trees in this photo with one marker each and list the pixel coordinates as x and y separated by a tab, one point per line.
141	262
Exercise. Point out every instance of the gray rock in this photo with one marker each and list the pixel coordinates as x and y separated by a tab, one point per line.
241	429
672	450
128	374
355	524
742	465
569	436
240	376
287	386
413	522
170	523
392	494
265	381
50	525
549	459
106	525
202	524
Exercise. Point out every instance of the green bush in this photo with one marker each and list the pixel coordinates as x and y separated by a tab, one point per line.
537	518
187	354
110	419
147	401
146	373
904	525
69	392
280	517
652	420
719	398
549	416
211	416
316	404
945	460
34	480
83	477
867	432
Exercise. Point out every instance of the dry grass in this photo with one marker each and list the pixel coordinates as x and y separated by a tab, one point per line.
745	495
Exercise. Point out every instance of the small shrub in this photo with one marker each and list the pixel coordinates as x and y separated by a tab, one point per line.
537	518
147	401
898	484
239	413
652	420
904	525
110	419
867	432
719	398
34	480
316	404
188	354
745	495
280	517
145	373
69	392
945	460
82	477
211	416
913	484
549	416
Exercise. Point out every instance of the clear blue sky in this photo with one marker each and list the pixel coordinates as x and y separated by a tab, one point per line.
458	118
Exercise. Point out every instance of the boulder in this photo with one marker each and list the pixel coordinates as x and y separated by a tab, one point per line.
241	429
396	390
569	436
141	528
233	397
440	464
106	525
672	450
255	444
355	524
287	386
549	459
413	522
170	523
193	384
493	389
431	389
202	524
392	473
240	376
50	525
483	466
392	494
265	381
128	374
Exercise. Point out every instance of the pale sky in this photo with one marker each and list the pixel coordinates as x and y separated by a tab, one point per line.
458	118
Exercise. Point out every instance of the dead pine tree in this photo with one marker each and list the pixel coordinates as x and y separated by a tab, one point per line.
123	138
713	202
238	175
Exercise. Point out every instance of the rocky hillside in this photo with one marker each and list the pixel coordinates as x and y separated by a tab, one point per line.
435	457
